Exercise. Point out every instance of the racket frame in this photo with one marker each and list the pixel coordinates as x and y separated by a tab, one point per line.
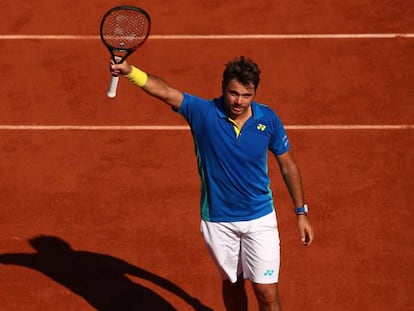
118	55
127	51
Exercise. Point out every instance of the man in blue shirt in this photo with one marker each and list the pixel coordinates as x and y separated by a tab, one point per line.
232	135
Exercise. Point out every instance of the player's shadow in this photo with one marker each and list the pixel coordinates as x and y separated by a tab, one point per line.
100	279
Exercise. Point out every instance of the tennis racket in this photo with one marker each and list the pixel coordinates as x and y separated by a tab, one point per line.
123	30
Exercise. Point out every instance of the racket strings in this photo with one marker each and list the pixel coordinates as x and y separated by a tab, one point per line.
125	30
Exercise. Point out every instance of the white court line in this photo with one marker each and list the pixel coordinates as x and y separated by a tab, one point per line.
208	37
220	37
185	127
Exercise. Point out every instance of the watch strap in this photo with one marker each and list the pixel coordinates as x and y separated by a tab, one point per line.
303	210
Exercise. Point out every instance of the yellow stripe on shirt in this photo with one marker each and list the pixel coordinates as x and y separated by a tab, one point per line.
236	128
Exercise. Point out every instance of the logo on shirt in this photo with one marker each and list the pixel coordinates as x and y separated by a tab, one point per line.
285	141
261	127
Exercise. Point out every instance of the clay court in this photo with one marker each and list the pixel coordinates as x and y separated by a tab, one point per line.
99	197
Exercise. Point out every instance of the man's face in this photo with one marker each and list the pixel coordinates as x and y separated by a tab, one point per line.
237	99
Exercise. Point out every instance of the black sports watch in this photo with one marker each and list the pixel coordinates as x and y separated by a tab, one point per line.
303	210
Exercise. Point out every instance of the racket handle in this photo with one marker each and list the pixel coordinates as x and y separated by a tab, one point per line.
113	85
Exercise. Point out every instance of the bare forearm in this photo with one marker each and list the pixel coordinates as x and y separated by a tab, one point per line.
151	84
158	88
292	178
293	181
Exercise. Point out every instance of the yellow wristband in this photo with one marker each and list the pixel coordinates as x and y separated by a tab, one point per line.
137	76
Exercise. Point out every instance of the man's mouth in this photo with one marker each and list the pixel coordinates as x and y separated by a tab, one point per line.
238	108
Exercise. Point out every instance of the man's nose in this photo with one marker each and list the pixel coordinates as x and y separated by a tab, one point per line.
239	99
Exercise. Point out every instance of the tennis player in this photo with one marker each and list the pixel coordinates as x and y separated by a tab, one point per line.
232	136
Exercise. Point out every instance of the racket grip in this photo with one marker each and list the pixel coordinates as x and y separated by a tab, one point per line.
113	85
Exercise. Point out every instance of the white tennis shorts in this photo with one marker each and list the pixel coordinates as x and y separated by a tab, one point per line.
248	247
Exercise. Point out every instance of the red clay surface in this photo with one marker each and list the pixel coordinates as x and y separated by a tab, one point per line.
126	202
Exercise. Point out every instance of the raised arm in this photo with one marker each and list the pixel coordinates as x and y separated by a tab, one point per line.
151	84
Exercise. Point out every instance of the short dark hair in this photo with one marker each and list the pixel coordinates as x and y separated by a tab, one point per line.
243	70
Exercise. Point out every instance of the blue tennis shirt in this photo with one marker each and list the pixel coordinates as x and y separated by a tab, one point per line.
235	185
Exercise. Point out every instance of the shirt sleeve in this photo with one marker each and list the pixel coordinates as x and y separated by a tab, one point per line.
279	143
193	109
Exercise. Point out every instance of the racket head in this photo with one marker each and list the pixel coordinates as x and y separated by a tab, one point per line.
124	29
